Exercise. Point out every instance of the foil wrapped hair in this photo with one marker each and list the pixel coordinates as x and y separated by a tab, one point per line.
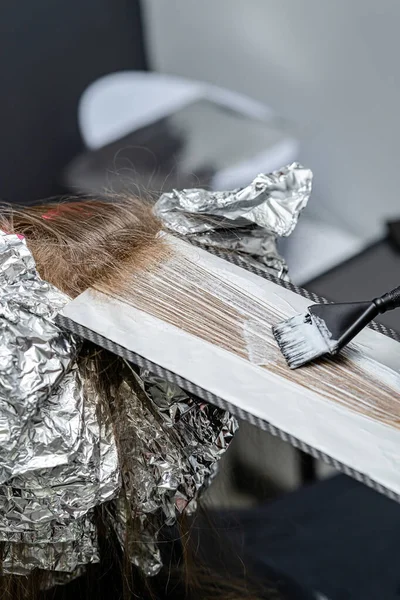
246	221
58	456
150	452
56	463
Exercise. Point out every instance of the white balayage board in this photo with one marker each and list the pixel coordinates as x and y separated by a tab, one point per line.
348	409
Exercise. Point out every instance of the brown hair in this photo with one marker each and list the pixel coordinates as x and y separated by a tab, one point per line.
77	244
99	243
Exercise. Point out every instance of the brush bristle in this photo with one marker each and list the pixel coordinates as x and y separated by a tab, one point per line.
300	340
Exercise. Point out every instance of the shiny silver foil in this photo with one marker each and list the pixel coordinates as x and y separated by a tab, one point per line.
58	556
171	444
57	461
246	221
34	353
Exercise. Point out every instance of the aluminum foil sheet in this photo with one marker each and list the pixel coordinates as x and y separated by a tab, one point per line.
171	444
246	221
60	556
57	461
34	353
51	510
55	578
89	476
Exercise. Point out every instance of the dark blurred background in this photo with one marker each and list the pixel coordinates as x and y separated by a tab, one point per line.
49	53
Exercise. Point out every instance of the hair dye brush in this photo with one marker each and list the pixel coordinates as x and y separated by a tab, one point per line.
327	328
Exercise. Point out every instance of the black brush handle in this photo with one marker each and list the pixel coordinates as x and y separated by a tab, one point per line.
388	301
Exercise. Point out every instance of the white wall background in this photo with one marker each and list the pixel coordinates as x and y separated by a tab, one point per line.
332	66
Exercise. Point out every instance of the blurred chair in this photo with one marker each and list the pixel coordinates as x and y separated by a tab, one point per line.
117	112
122	102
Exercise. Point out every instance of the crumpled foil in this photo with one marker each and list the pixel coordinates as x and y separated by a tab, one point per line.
57	461
171	444
58	458
246	221
34	353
